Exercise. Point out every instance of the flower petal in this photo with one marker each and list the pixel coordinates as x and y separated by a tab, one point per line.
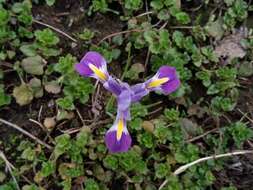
93	65
139	91
94	58
83	70
165	80
113	86
124	100
167	71
170	86
115	145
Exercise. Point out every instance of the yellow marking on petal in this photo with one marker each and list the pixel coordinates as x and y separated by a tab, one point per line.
158	82
98	72
120	128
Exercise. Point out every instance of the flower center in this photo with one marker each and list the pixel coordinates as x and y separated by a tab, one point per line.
120	128
98	72
158	82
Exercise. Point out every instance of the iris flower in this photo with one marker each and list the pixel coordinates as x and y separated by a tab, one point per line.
166	81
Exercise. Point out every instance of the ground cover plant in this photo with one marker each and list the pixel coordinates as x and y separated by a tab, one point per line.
53	120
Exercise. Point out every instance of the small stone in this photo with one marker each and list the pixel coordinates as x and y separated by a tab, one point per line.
148	126
49	122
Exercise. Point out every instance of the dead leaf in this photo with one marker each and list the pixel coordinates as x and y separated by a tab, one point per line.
230	46
189	128
49	122
148	126
33	65
195	109
215	28
23	94
246	69
36	86
53	87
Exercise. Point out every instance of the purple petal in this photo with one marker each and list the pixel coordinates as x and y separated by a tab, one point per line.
126	114
94	58
124	100
83	69
90	58
170	86
113	86
114	145
167	71
139	91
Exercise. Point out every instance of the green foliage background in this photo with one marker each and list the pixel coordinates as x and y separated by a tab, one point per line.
165	32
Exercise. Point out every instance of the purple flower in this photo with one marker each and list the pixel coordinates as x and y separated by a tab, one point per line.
165	80
139	91
117	138
93	65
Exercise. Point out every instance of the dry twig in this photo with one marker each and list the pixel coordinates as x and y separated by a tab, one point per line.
118	33
202	135
55	29
213	157
9	167
25	133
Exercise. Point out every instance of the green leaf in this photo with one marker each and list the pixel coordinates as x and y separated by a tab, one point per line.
138	110
205	77
215	28
91	184
135	70
133	4
82	138
146	139
25	17
213	89
49	52
219	104
63	144
4	17
162	133
28	154
29	50
246	69
157	4
136	123
111	162
4	99
65	64
172	114
46	37
163	14
70	170
118	40
182	17
161	170
87	34
36	86
30	187
33	65
178	38
99	5
226	73
240	133
47	169
50	2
